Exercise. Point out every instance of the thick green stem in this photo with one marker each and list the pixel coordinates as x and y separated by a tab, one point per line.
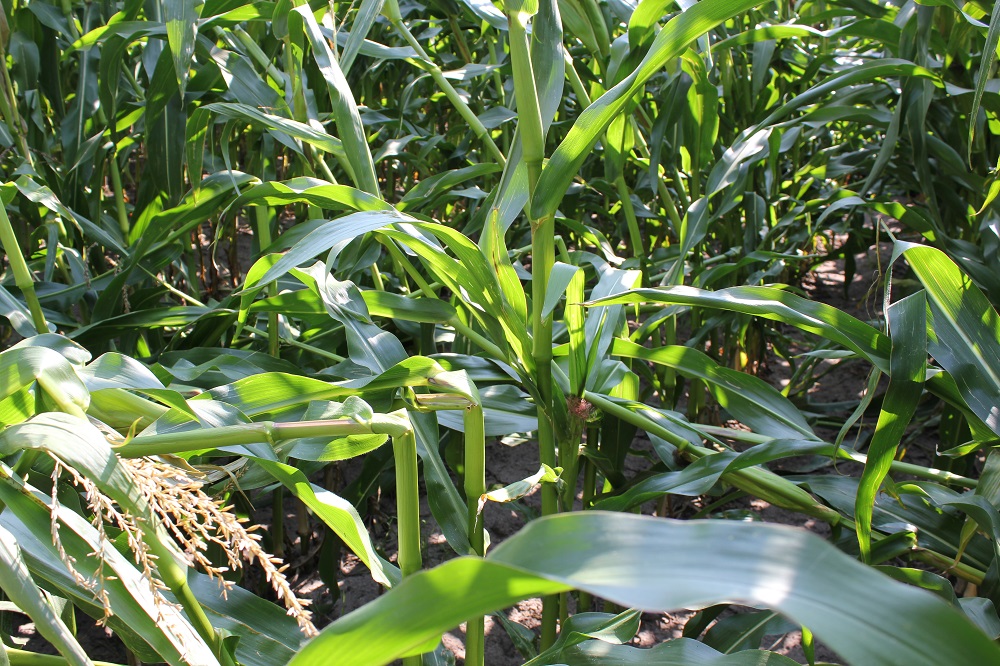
475	472
174	575
475	486
244	433
262	215
948	564
542	259
303	527
278	522
586	601
22	275
23	658
526	95
119	194
542	242
404	448
569	460
575	82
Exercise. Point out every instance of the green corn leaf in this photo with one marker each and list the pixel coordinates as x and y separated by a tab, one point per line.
755	480
578	24
40	194
380	304
180	316
15	312
672	40
329	234
985	516
985	67
611	629
488	12
181	17
470	275
345	109
660	564
23	368
367	15
76	355
272	393
749	399
604	324
268	636
875	28
547	59
935	530
778	305
440	187
699	477
19	586
299	303
113	370
908	364
866	71
519	489
988	488
559	279
297	130
922	579
339	514
745	630
368	345
165	118
963	329
679	652
525	8
396	306
642	24
312	191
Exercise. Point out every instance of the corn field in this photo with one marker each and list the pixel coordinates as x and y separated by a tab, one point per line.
285	281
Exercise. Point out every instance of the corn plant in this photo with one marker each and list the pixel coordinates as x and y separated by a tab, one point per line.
663	175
